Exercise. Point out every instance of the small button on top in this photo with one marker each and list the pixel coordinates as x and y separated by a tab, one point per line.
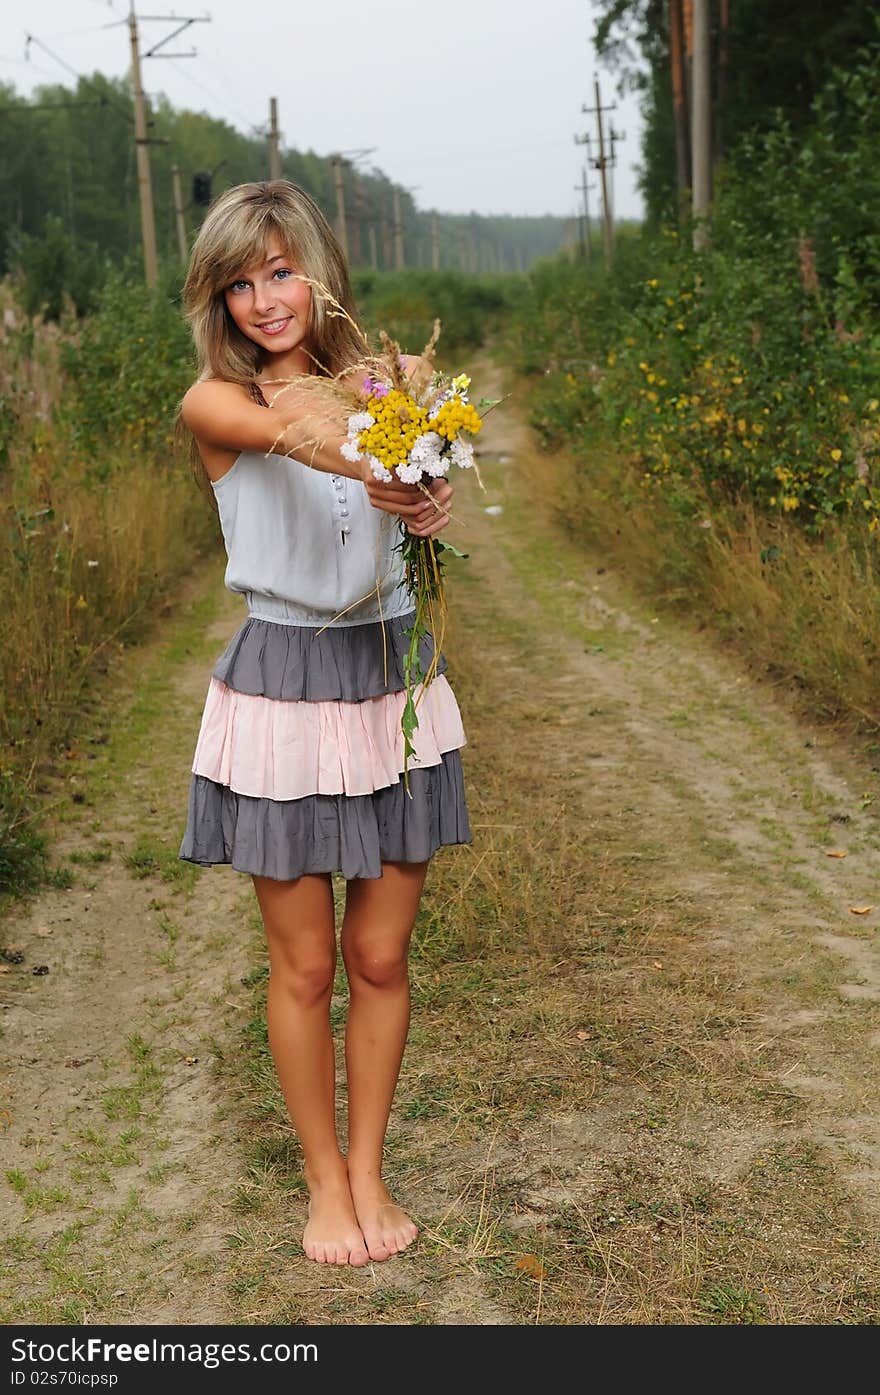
343	513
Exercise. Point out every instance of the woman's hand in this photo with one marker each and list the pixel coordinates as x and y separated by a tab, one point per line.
422	516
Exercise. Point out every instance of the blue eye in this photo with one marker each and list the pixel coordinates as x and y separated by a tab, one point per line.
237	285
284	271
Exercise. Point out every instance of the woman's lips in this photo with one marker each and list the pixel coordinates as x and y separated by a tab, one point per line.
275	326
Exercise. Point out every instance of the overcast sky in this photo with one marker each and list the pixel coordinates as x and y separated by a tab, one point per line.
472	106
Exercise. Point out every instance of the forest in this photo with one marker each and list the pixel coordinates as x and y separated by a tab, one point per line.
69	204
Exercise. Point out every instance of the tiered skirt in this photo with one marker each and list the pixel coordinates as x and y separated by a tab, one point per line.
298	766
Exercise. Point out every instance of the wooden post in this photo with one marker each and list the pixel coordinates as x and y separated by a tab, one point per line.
679	102
399	255
182	245
274	155
386	239
606	208
357	219
141	138
341	232
701	124
723	33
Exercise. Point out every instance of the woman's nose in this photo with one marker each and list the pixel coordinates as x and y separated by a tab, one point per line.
264	299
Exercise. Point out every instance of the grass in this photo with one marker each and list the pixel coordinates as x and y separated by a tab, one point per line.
92	555
569	1040
592	1124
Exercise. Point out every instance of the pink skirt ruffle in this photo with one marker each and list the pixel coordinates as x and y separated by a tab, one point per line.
274	749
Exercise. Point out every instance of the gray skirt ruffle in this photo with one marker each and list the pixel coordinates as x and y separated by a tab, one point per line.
297	663
350	834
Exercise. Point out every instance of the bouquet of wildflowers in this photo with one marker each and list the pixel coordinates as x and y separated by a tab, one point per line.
415	435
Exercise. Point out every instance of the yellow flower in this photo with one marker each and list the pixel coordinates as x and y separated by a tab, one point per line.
836	454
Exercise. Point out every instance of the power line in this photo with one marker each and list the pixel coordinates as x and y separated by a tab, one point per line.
32	39
251	127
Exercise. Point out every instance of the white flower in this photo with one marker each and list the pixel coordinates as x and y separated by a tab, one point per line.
360	421
427	453
409	471
378	469
462	453
351	452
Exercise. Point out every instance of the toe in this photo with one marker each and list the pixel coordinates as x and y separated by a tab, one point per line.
358	1254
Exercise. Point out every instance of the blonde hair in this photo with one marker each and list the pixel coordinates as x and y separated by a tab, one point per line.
235	235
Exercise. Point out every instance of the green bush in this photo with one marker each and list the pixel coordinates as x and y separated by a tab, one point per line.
406	303
55	271
127	369
750	369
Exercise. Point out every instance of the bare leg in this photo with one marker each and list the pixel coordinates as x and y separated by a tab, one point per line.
301	935
376	930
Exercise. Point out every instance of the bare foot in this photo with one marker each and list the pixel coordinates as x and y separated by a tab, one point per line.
386	1228
332	1234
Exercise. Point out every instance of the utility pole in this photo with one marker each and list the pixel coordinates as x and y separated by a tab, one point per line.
701	124
141	136
145	183
679	102
385	233
723	34
472	250
357	218
399	256
613	138
371	236
435	243
341	231
587	234
601	164
588	231
339	159
274	153
180	221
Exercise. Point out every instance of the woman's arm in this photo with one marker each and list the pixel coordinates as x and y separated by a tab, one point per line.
225	416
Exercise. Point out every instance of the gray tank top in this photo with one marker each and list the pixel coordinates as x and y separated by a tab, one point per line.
307	548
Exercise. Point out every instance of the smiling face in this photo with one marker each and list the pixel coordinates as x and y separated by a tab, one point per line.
271	306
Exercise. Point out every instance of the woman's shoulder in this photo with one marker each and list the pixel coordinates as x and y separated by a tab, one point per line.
208	393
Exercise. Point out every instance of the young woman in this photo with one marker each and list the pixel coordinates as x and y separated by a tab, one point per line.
297	770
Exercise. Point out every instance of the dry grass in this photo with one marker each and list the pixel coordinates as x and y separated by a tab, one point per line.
590	1124
806	610
597	1120
91	554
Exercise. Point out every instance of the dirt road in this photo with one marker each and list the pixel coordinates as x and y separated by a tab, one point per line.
640	1085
